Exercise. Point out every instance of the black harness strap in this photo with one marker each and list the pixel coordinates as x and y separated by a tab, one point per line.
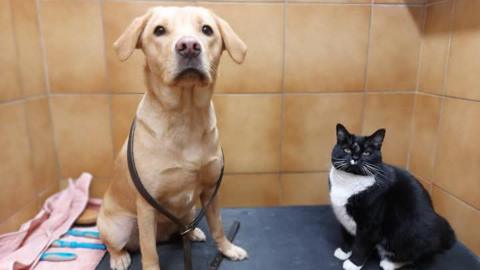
183	229
217	260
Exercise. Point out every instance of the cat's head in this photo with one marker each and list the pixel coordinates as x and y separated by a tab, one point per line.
359	155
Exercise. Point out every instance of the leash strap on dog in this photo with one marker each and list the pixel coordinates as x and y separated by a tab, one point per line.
215	264
183	229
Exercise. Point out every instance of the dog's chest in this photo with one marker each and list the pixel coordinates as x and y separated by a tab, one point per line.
343	186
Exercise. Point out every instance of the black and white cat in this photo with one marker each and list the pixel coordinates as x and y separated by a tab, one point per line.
381	207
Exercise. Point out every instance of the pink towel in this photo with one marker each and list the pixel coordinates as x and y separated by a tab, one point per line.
22	249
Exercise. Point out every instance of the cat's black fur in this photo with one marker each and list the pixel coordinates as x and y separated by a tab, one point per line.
395	212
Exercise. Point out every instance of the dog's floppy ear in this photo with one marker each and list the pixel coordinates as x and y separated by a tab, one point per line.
130	39
231	42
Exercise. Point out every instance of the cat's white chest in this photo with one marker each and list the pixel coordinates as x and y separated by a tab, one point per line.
344	185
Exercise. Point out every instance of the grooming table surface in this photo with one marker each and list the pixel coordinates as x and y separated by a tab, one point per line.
286	238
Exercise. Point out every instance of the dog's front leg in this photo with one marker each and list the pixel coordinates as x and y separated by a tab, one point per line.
147	227
215	225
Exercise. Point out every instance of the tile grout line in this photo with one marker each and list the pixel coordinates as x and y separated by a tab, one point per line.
365	92
282	102
278	93
444	88
449	97
460	200
281	1
309	2
415	100
107	76
17	54
399	4
435	3
47	189
30	147
280	172
20	99
80	93
451	28
412	131
48	90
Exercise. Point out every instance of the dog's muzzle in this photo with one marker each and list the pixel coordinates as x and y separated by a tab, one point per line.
189	61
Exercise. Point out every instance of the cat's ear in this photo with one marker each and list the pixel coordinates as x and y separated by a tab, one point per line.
377	137
342	133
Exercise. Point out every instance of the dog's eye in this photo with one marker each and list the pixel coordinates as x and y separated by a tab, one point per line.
207	30
348	151
366	153
159	31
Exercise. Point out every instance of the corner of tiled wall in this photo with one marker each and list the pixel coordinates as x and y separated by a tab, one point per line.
445	153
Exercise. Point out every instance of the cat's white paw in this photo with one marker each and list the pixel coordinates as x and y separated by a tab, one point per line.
386	264
197	235
348	265
341	255
234	253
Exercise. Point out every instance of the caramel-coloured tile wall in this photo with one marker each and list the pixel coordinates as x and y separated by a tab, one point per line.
28	168
445	152
66	101
313	65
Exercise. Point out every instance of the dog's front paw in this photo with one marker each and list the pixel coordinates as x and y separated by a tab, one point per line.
197	235
120	261
234	253
341	255
349	265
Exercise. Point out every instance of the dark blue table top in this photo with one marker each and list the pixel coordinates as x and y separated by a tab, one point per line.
287	238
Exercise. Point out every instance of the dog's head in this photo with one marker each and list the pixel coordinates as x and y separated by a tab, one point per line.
182	45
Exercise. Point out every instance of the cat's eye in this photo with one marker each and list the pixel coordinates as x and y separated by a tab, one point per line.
348	151
366	153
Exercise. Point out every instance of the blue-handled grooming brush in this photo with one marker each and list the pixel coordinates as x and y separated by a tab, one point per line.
58	256
68	244
86	234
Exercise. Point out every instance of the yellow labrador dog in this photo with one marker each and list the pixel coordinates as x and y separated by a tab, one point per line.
177	148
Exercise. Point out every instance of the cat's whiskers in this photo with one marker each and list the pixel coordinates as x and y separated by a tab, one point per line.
340	164
374	169
373	166
365	170
368	171
379	175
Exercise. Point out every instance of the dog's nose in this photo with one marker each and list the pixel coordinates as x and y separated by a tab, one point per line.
188	47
